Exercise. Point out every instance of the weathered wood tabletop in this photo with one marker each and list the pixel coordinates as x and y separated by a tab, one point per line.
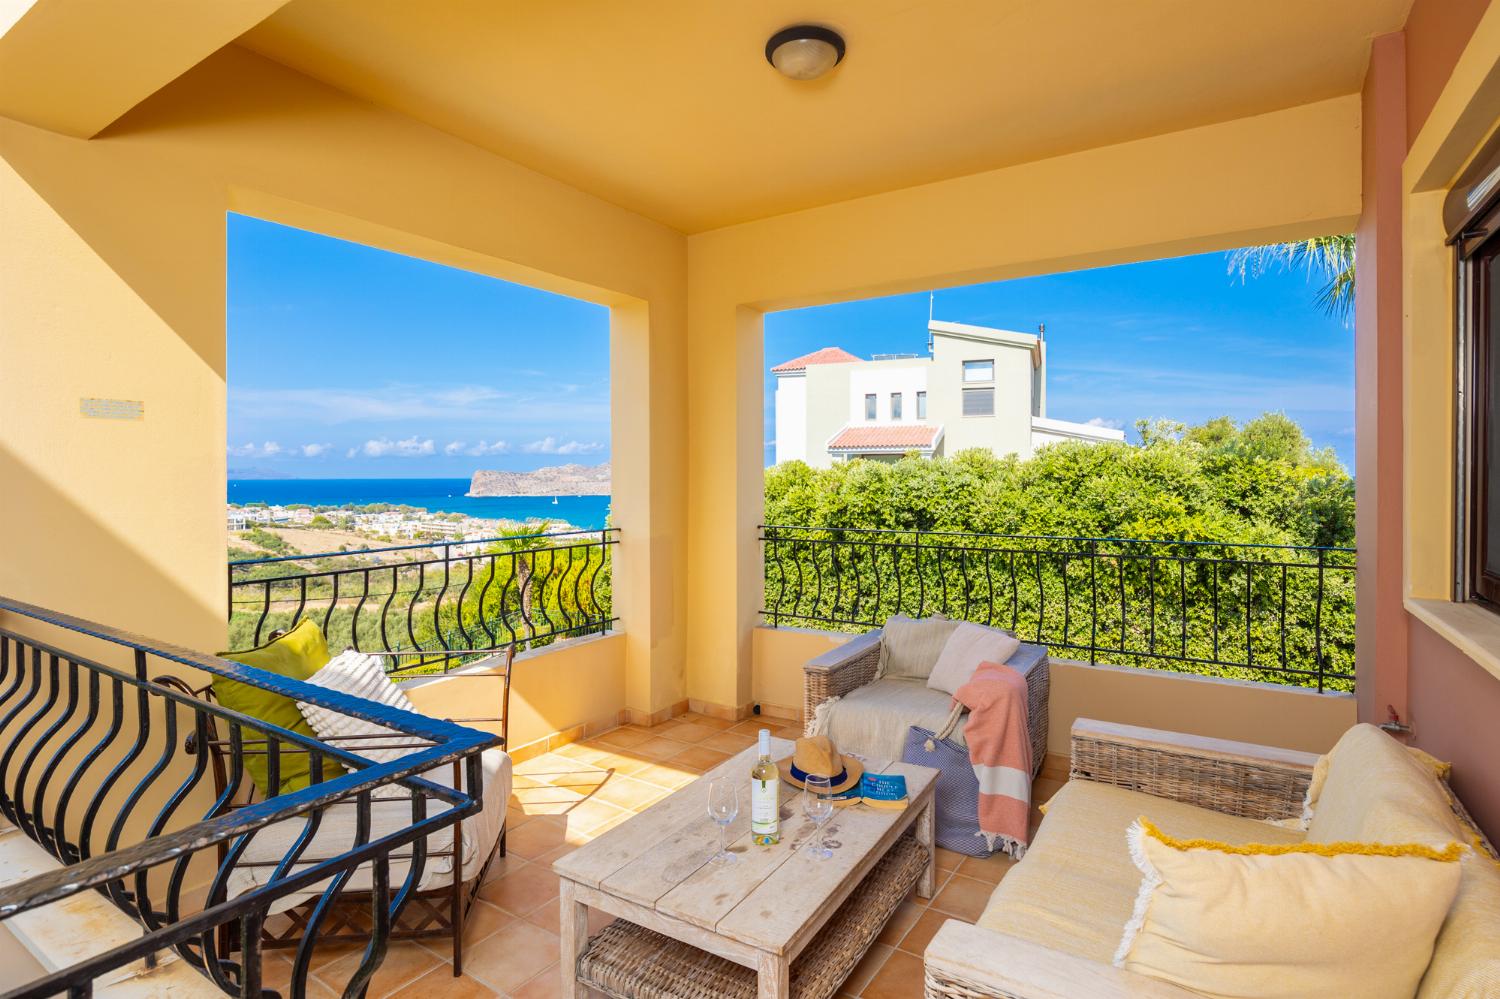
654	870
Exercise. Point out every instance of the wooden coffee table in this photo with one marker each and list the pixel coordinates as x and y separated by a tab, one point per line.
653	870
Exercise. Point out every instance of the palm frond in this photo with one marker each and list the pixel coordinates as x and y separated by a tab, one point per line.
1328	257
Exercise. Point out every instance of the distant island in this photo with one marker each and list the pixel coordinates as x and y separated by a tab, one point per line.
560	480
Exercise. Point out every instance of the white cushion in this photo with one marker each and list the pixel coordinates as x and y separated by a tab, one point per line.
968	646
359	675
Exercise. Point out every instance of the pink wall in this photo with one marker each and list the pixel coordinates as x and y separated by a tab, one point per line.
1452	703
1380	621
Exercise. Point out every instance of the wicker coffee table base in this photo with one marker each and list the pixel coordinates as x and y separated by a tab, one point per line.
631	962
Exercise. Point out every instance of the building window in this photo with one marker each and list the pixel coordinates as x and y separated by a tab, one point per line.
979	371
895	405
921	405
870	406
1479	468
979	401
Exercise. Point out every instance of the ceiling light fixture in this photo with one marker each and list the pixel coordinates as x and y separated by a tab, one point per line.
805	51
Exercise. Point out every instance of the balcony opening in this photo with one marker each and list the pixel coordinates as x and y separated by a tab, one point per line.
1144	465
418	455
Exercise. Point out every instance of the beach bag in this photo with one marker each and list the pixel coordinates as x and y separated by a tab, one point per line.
956	797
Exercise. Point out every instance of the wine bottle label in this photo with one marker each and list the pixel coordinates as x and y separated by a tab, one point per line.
765	810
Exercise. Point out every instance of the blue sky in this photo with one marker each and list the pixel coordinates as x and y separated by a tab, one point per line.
351	362
346	361
1177	338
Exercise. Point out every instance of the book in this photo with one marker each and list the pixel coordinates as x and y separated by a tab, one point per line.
883	790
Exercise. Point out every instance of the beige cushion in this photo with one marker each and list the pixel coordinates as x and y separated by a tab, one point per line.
968	646
1377	792
1077	886
872	720
910	648
1466	961
1289	921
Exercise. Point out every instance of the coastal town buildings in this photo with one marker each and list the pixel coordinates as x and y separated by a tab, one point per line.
977	387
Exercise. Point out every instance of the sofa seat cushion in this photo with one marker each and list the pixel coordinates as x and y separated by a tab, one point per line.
1076	887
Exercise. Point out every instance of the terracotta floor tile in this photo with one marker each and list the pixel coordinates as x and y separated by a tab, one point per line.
547	916
545	799
621	763
963	897
583	780
547	985
867	968
547	859
276	973
587	816
787	731
750	727
658	748
987	869
729	742
718	724
523	891
483	920
404	962
629	793
515	817
440	984
547	763
536	838
692	731
625	738
900	977
901	920
512	957
921	934
664	775
583	752
699	757
947	860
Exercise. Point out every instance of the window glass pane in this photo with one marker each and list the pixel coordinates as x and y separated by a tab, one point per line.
979	371
895	405
1489	412
869	407
921	405
979	402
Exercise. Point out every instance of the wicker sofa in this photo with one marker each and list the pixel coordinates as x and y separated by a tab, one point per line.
849	674
1052	924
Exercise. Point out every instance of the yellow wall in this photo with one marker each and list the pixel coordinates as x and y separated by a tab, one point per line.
112	284
1263	713
1276	176
561	688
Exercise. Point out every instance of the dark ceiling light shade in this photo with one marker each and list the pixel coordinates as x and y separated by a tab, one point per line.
805	51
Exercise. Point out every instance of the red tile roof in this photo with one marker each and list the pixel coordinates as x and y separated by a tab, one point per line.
828	355
913	437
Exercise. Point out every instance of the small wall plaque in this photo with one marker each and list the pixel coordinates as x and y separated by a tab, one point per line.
112	409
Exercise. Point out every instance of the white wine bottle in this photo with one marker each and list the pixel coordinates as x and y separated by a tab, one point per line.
765	796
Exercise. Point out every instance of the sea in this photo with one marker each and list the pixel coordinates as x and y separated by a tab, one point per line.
433	495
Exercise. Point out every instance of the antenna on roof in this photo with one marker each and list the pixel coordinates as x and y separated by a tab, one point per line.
931	298
1041	330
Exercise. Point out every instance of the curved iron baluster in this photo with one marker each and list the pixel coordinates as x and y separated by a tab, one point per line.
1182	589
1151	589
1249	658
6	804
437	605
112	841
33	825
600	616
301	599
265	609
989	588
328	899
411	606
59	831
817	607
896	551
797	603
1041	589
541	604
464	592
332	602
484	617
164	815
1067	638
583	617
838	580
117	687
505	591
364	593
963	567
385	639
1120	565
943	580
875	570
1015	593
1215	622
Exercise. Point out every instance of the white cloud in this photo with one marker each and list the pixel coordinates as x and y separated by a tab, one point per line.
269	449
1104	421
315	450
409	447
477	450
538	403
550	445
453	447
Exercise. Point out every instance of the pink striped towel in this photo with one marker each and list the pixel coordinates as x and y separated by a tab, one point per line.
1000	752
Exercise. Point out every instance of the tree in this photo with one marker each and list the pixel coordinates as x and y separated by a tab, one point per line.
1328	257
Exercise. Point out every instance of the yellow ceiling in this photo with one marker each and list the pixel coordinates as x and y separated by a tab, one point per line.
668	107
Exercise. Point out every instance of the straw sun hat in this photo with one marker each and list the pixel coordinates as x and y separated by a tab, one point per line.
818	756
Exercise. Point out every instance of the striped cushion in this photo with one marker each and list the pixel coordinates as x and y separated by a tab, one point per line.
359	675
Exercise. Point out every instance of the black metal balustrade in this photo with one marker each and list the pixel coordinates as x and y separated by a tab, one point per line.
1261	612
439	604
105	767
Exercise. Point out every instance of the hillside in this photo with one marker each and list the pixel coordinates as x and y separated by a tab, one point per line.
560	480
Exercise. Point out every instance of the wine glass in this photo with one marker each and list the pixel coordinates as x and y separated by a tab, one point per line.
723	807
817	805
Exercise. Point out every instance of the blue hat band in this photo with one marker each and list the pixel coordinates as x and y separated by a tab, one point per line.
799	774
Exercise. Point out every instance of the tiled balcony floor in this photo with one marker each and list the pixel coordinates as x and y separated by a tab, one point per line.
565	798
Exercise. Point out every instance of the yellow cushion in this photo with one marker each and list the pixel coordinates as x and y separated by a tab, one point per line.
1466	961
1287	921
1075	888
1378	792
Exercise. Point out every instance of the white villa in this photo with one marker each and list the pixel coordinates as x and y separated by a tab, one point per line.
978	387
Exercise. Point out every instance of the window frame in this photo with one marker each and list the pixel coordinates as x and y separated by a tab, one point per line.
963	405
990	378
872	406
1477	245
896	405
921	405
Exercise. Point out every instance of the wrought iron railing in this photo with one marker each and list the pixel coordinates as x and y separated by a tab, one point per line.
106	768
436	604
1261	612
